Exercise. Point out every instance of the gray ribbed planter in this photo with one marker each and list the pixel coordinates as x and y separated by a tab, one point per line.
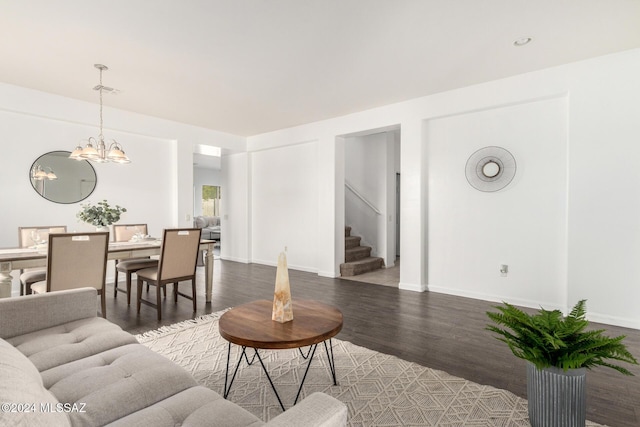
556	398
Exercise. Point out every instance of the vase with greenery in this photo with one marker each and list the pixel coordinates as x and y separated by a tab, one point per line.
559	349
101	214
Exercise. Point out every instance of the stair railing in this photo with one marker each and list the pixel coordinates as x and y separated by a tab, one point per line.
361	197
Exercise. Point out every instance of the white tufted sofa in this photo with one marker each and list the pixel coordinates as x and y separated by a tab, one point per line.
61	365
210	226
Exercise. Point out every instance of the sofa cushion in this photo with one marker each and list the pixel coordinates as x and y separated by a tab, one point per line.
222	413
26	314
21	384
200	222
116	383
206	221
196	406
71	341
316	410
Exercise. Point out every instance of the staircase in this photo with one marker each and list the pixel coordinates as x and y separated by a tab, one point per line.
358	259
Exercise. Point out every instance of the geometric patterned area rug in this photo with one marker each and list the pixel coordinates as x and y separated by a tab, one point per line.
378	389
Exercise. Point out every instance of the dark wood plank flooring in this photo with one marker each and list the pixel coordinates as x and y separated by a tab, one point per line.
435	330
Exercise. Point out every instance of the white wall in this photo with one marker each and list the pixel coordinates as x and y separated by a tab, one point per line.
235	224
571	214
604	188
523	225
285	199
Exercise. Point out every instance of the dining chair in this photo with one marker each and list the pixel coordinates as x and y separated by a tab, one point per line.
76	260
27	237
124	233
177	262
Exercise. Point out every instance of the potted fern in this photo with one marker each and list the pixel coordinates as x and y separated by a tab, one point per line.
558	350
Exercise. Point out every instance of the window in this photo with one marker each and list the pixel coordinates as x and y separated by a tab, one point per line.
210	200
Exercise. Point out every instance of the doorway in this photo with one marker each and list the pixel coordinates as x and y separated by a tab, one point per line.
372	205
207	194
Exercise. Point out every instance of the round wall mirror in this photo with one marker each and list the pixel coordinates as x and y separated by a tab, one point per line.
490	169
60	179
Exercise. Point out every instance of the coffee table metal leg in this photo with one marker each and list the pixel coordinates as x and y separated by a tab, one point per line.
313	352
264	368
226	374
308	357
332	362
305	356
329	350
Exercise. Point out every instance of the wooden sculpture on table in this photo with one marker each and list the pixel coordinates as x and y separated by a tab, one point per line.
282	306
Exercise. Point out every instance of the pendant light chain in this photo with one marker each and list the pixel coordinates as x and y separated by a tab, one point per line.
101	136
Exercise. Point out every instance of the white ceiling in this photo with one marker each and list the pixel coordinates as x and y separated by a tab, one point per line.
251	66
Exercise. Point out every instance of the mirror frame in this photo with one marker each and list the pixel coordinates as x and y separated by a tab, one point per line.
90	170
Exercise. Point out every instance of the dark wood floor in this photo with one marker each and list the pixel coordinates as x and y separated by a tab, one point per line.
435	330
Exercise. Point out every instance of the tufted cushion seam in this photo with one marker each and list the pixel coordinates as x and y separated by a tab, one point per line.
65	352
147	396
77	343
175	421
100	358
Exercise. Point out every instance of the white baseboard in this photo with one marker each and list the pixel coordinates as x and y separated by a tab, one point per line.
614	320
263	262
496	298
413	287
593	317
289	266
330	274
235	259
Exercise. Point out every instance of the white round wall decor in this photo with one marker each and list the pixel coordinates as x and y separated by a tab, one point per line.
490	169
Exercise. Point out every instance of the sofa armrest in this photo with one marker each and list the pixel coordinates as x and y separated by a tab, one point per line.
317	410
24	314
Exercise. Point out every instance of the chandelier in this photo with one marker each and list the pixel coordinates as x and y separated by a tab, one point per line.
96	149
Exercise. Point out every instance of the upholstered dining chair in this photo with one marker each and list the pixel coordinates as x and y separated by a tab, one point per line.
29	276
76	260
177	262
124	233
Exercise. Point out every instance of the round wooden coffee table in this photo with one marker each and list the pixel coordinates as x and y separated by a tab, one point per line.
250	326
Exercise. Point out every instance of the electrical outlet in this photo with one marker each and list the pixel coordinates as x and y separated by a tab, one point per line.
504	270
187	217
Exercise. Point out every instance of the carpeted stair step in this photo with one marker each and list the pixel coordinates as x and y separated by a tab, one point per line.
357	253
361	266
352	242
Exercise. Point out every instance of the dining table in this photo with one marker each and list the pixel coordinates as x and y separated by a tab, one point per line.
19	258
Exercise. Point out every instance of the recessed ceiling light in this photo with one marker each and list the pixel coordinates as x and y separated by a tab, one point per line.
522	41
